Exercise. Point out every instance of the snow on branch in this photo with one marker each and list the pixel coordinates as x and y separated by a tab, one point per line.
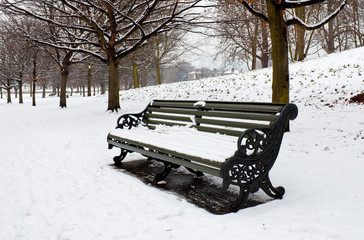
300	3
297	21
253	11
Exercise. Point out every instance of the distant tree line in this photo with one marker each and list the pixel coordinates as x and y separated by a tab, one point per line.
105	45
74	32
244	27
245	38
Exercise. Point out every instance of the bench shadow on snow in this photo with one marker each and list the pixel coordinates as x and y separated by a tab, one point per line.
200	191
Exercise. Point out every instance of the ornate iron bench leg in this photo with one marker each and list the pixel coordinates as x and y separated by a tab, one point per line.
167	169
271	191
239	202
118	159
198	173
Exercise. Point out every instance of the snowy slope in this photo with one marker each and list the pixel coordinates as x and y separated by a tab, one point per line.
321	81
57	180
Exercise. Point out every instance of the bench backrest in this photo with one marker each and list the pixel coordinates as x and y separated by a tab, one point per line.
230	118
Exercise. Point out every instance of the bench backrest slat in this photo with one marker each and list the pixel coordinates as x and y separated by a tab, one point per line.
245	107
218	113
169	117
168	123
242	106
230	118
219	130
231	123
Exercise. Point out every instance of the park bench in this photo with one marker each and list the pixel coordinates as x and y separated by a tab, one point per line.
237	141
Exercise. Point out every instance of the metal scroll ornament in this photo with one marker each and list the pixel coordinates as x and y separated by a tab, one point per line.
256	154
254	158
129	120
252	142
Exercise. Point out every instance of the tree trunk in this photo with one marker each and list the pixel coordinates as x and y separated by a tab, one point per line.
44	91
89	79
34	79
113	101
157	65
331	32
278	31
300	45
112	61
8	93
158	69
64	79
254	45
34	86
265	46
20	91
135	73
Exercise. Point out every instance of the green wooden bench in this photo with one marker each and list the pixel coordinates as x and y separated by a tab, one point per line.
237	141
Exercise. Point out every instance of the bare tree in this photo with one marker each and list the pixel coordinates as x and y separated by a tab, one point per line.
59	41
18	56
346	31
115	28
48	71
278	26
170	47
7	81
301	40
243	35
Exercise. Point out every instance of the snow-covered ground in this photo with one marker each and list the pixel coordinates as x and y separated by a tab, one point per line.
57	180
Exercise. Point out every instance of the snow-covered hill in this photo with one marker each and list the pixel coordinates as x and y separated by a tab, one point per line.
323	81
57	180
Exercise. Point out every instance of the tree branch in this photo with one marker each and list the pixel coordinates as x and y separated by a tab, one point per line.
253	11
299	22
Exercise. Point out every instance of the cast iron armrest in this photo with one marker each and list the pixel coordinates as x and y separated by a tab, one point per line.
257	150
129	120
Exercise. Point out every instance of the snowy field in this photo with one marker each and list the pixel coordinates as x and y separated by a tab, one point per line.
57	180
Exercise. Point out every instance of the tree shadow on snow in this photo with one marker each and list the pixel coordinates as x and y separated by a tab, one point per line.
204	192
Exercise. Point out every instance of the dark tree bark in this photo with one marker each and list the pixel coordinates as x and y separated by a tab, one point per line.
113	101
278	30
34	79
89	79
300	45
64	67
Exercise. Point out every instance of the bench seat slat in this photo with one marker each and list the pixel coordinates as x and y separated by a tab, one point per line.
183	142
182	162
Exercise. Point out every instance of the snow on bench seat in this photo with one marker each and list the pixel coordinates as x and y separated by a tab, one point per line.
181	139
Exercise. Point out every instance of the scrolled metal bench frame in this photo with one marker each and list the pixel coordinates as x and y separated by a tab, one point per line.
248	168
257	152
